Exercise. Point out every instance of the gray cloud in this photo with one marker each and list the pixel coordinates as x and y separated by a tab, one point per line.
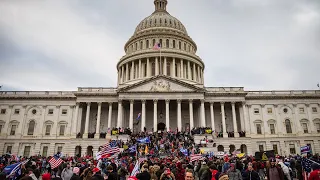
59	45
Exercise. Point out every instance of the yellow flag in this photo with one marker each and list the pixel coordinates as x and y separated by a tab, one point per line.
146	151
264	157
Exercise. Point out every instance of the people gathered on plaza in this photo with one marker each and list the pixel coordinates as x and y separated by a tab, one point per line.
168	155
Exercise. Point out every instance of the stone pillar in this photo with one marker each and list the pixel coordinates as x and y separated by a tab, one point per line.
127	71
140	69
225	135
131	115
143	114
234	118
179	114
203	115
199	78
189	71
191	113
212	116
194	72
43	119
165	66
167	114
119	121
148	68
109	115
122	72
156	66
97	134
202	75
246	119
181	68
173	74
132	71
155	115
75	119
86	126
264	120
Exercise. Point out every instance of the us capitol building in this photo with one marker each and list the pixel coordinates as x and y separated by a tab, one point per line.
169	92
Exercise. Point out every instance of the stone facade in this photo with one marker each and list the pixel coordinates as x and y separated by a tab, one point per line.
167	88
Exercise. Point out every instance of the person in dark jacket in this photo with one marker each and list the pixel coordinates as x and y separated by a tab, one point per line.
275	172
145	175
250	174
111	174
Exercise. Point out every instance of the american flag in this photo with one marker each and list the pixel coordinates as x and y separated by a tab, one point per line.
136	168
108	150
55	161
195	157
306	164
157	46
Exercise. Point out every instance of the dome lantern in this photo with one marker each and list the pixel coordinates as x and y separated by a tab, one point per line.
160	5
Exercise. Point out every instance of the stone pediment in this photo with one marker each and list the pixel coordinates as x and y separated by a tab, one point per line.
161	84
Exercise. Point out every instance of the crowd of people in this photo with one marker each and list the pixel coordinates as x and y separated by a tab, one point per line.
164	156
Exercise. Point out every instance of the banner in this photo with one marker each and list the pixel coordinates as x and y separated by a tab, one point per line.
305	149
144	140
265	155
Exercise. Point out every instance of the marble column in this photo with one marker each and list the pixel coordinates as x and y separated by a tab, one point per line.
167	114
179	114
148	68
156	66
189	71
234	118
127	71
224	129
109	115
86	127
194	72
173	74
212	116
122	73
199	78
132	71
75	119
143	115
155	115
181	68
97	135
119	121
203	115
264	120
140	69
245	119
191	113
165	66
131	115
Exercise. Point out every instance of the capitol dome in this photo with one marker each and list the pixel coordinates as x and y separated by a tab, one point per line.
176	58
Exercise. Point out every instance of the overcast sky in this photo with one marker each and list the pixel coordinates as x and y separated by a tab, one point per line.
256	44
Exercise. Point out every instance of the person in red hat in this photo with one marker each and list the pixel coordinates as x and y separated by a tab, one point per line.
97	174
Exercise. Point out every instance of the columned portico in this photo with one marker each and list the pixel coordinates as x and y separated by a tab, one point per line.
179	114
119	121
224	129
155	115
191	113
234	118
212	116
97	135
131	115
143	115
167	113
203	116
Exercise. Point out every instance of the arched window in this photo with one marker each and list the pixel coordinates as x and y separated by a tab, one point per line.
31	127
153	42
288	126
141	45
167	43
147	43
174	43
160	43
179	45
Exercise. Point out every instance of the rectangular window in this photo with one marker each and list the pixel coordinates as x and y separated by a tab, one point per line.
59	149
26	152
292	149
48	129
272	129
1	128
45	151
3	111
301	110
314	110
261	148
269	110
305	127
13	130
275	148
16	111
256	110
50	111
9	149
62	127
318	127
259	129
64	112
